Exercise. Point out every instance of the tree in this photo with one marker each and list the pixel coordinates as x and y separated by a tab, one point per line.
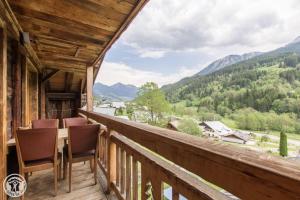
153	98
283	149
189	126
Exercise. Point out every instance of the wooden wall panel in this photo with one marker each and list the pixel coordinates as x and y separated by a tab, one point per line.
17	93
3	106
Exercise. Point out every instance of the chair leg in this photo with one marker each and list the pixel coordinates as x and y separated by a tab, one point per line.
59	171
91	165
27	177
70	176
65	166
95	171
55	180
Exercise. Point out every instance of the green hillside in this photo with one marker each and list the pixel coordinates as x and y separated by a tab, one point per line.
262	93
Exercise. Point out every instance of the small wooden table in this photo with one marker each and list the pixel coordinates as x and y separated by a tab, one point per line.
62	135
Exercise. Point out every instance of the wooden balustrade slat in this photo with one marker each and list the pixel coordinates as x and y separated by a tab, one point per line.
118	167
153	167
135	178
123	168
128	176
144	183
245	173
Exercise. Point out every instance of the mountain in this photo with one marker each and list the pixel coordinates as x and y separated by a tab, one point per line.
297	40
189	87
232	60
226	61
116	92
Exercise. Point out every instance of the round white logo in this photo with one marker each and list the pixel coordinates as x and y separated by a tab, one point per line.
14	185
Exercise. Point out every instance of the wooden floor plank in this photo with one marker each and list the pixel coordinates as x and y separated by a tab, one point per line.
40	186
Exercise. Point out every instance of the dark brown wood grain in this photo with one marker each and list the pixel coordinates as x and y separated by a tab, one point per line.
3	105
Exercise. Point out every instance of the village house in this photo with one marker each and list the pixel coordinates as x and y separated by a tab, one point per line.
219	130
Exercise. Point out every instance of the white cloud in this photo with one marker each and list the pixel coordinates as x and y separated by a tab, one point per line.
151	53
177	25
111	73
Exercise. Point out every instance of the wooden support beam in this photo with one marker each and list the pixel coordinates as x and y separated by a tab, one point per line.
68	81
89	87
17	86
3	106
42	97
25	99
77	52
49	75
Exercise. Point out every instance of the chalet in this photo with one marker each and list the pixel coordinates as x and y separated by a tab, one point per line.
118	105
173	125
215	128
50	54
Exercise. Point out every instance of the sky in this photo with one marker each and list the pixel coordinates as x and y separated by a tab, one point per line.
173	39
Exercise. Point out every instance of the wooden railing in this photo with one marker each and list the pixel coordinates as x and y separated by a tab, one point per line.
138	160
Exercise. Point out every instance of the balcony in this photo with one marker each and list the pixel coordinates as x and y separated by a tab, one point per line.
50	54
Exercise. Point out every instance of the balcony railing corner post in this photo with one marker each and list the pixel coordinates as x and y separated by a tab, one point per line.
111	161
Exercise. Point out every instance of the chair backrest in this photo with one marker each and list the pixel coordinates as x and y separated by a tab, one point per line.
75	121
83	138
35	144
45	123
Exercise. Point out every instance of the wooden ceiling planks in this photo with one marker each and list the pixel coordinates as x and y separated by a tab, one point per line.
70	35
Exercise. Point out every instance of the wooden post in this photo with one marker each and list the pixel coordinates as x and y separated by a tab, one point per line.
111	163
3	106
89	87
17	93
25	106
42	98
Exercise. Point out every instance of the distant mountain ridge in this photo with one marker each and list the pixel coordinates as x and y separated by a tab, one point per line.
226	61
231	60
116	92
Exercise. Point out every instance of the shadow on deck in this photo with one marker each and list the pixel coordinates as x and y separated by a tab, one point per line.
40	186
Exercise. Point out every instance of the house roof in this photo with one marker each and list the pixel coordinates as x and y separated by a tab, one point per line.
218	127
118	104
238	135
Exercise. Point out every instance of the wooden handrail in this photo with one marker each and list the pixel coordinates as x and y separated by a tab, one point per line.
186	184
245	173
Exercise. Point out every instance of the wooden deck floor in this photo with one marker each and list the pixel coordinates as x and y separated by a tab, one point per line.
40	186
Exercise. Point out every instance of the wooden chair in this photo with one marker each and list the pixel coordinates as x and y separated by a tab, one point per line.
45	123
82	146
37	150
75	121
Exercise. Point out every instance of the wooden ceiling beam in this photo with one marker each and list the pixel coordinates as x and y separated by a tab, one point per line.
96	34
68	10
119	6
62	57
78	72
121	29
64	35
64	62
